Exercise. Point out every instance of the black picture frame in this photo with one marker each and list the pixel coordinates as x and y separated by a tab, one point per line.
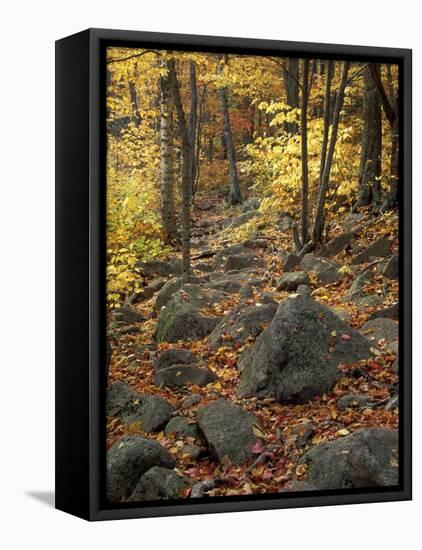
80	273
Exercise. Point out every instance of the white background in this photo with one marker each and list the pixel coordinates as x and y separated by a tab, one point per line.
27	37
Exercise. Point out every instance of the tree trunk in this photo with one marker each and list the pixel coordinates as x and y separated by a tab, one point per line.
318	226
392	197
370	158
304	151
235	196
193	114
134	102
326	116
186	174
391	111
198	143
168	215
291	85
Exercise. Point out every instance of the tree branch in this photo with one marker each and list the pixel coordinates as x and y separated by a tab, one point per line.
388	109
117	59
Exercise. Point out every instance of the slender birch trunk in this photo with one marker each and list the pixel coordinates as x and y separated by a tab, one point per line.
167	202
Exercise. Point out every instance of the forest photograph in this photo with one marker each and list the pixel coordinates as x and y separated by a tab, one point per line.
252	227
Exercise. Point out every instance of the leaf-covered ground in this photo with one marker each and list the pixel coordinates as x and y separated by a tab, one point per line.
277	458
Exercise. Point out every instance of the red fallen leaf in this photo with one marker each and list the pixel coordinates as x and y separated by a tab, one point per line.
186	492
345	337
374	365
267	475
258	447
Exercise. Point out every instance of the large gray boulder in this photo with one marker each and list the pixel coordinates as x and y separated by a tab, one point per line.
158	484
182	375
242	322
181	318
228	430
297	357
128	459
378	249
366	458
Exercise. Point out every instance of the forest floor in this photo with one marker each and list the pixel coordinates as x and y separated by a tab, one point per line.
281	427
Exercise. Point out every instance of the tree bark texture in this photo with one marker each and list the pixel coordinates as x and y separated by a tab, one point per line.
167	201
235	196
186	174
370	159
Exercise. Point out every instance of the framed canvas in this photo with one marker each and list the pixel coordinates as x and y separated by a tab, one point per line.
233	274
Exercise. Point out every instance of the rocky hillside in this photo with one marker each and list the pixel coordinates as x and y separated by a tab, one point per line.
267	372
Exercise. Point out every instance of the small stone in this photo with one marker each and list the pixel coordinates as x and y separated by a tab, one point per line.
127	314
340	243
251	204
379	249
182	375
242	261
229	430
290	281
153	287
193	451
244	218
353	401
246	292
181	426
390	312
391	270
381	328
289	262
192	399
128	459
159	483
205	205
150	412
173	356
